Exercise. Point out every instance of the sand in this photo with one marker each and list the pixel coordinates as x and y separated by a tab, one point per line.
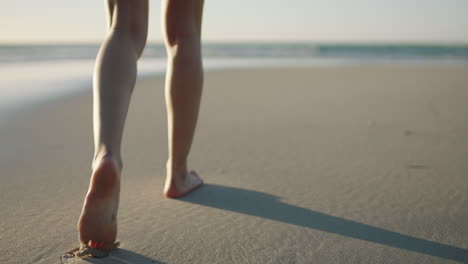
363	164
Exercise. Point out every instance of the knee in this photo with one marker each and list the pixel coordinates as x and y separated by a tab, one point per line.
183	45
179	31
181	27
131	18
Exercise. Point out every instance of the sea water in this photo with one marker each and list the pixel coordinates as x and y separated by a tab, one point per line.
35	73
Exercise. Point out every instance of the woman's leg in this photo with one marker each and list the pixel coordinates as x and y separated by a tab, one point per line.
114	79
184	80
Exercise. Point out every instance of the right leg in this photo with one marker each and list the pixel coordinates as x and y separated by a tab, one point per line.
184	80
114	78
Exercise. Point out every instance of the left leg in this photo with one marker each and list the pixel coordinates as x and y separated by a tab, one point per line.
114	79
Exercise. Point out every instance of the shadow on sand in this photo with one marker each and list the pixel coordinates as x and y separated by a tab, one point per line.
270	207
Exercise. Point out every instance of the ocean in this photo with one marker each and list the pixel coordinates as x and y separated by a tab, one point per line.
34	73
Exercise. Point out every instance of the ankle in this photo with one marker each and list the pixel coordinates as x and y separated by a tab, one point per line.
105	178
176	171
176	165
103	156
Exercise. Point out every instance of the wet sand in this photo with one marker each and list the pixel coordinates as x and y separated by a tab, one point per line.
302	165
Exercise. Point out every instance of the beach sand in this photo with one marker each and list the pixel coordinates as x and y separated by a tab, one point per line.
355	164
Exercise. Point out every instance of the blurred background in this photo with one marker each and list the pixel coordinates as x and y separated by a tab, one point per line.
47	48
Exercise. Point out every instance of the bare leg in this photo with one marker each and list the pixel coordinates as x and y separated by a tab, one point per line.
184	80
114	79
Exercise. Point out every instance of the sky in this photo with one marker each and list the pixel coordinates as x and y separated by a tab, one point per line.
332	21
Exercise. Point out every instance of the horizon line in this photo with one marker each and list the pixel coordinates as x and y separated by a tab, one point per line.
272	41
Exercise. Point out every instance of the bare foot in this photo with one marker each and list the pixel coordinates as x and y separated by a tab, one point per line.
180	184
97	226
